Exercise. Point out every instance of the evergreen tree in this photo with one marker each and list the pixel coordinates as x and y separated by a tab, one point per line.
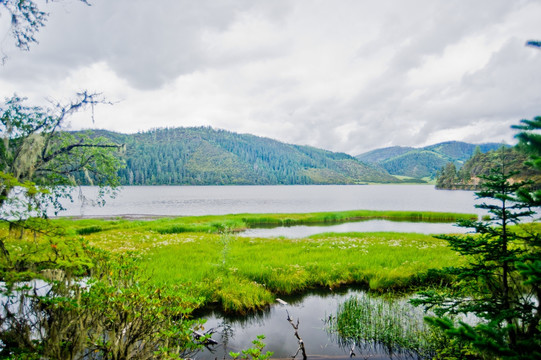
447	178
490	285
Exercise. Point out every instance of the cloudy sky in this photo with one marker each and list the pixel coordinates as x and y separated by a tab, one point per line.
343	75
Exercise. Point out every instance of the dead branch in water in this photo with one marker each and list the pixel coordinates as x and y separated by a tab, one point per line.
299	339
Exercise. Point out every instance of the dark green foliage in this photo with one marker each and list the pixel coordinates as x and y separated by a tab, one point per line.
448	177
415	164
204	156
481	164
500	284
89	230
426	161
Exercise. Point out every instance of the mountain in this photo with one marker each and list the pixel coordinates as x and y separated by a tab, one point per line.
205	156
425	161
380	155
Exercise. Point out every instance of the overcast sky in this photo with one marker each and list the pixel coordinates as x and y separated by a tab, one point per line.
346	76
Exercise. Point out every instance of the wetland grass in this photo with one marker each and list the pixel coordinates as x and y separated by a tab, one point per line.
391	324
254	271
201	259
238	222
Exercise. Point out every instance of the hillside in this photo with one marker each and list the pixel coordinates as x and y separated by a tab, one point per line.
425	161
468	177
204	156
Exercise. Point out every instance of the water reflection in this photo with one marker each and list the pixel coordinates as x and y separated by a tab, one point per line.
359	226
313	311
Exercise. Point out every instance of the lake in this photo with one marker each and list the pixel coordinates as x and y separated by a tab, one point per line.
220	200
236	333
312	310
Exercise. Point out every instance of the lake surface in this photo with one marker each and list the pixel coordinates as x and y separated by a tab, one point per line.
312	311
220	200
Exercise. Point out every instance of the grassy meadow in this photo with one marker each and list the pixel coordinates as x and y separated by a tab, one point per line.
201	258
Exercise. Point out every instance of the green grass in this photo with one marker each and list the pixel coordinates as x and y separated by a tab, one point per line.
244	274
392	323
202	260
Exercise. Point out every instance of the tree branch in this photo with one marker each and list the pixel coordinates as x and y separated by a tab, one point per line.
299	339
78	145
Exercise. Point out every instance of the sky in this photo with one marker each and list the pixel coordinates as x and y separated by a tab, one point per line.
342	75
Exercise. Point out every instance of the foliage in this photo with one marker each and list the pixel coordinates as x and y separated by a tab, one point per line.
111	315
490	286
243	274
481	164
447	177
204	156
39	162
254	353
530	140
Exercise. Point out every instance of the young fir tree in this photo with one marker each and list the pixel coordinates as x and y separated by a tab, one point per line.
491	285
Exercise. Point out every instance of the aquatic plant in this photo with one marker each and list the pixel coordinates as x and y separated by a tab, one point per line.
389	323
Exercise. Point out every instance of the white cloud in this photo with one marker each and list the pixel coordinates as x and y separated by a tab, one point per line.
346	76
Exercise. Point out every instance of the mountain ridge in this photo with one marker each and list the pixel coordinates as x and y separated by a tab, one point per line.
424	162
207	156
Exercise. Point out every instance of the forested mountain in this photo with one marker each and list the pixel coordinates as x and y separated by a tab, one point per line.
204	156
425	161
381	155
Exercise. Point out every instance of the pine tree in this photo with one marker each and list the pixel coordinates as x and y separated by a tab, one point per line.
490	285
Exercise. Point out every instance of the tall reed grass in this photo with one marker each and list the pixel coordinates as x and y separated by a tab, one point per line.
392	325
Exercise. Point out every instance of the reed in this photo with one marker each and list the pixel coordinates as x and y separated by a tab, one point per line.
391	324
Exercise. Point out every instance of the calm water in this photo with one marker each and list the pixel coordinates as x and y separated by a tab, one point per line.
312	311
359	226
219	200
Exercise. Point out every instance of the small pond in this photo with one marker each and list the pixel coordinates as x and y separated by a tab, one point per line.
300	231
312	310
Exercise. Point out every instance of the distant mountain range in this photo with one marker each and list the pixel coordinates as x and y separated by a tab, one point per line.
205	156
423	162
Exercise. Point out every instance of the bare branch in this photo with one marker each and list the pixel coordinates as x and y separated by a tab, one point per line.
27	19
299	339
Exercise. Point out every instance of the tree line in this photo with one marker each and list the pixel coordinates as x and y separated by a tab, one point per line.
468	177
205	156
